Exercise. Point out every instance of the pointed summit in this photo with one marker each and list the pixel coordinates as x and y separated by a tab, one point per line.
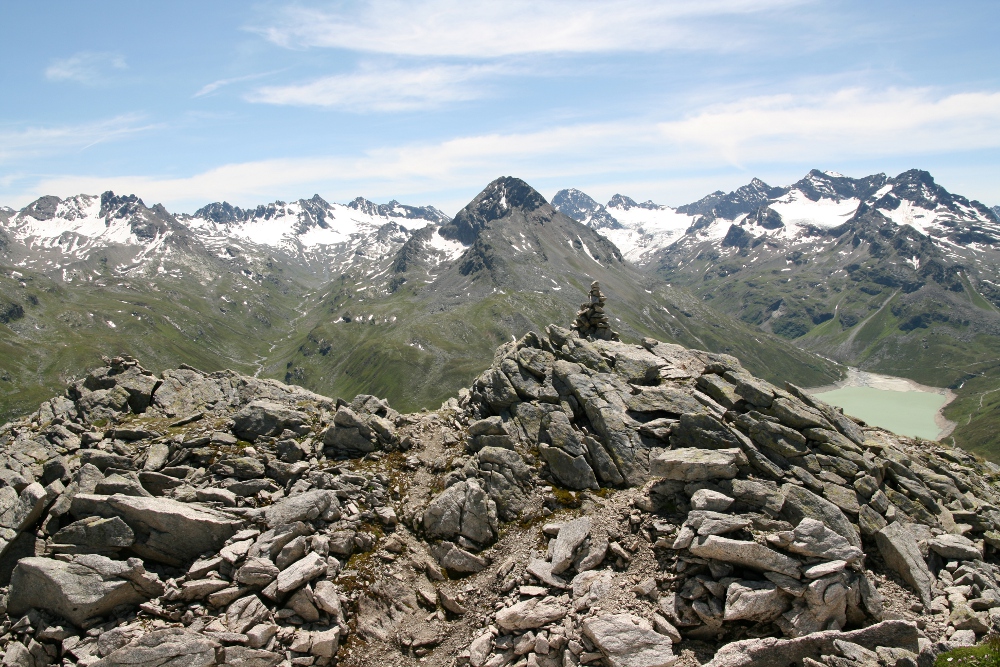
496	201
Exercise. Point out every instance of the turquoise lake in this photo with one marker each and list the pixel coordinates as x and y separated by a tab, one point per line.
909	413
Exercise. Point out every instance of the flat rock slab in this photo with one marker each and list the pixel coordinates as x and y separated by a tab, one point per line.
86	588
625	642
166	530
570	537
302	507
696	465
757	601
900	551
172	647
666	399
957	547
263	417
533	613
771	652
748	554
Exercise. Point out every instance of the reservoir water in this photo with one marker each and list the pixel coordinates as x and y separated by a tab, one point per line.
895	404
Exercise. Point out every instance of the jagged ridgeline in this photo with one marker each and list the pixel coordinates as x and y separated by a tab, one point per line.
397	301
583	502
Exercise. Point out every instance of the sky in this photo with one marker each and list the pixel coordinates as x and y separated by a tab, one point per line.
426	101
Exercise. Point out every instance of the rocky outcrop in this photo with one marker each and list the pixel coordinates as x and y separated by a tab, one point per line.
586	501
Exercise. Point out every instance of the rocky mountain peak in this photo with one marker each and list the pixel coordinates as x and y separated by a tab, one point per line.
43	208
113	205
505	193
818	185
622	202
364	205
745	199
498	200
222	213
583	208
575	203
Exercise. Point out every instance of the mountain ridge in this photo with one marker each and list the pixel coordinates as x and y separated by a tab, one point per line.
286	289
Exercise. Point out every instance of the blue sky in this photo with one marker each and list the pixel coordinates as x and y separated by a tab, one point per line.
426	101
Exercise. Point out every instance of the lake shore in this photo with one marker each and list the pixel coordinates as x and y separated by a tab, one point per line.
859	378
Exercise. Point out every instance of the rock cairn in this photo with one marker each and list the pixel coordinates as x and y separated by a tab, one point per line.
592	322
584	502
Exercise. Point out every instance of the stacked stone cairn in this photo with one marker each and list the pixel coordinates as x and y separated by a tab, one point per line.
592	322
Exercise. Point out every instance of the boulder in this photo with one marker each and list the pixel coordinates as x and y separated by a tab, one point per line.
87	587
172	647
771	652
707	499
507	479
779	439
627	641
459	561
747	554
462	509
571	472
812	538
571	536
241	656
95	535
257	572
955	547
758	601
900	551
303	507
300	572
20	510
695	465
532	613
668	400
166	530
801	503
185	391
264	417
127	484
703	431
245	613
797	414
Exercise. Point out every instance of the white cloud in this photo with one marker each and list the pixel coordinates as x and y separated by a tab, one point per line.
848	122
55	139
757	133
209	88
483	28
86	67
374	88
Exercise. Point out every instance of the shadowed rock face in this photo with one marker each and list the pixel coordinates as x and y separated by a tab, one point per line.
587	498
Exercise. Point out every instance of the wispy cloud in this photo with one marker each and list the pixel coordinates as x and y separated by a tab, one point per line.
375	88
482	28
86	67
55	139
757	133
210	88
848	122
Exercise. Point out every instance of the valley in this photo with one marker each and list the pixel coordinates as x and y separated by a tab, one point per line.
890	275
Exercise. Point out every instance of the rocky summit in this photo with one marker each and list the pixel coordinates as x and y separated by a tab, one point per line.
584	502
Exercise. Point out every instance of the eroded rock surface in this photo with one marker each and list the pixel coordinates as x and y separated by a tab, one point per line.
586	501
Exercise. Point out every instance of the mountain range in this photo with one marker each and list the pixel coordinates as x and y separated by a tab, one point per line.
894	275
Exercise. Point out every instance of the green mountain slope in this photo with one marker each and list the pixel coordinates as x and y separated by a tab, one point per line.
526	265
